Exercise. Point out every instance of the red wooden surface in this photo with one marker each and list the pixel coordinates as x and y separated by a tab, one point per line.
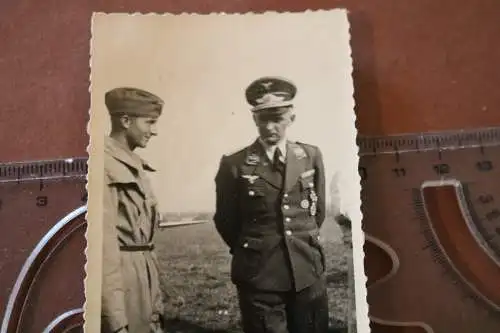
418	66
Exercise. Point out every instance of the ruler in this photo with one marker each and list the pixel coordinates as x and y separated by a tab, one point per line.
42	211
431	205
431	218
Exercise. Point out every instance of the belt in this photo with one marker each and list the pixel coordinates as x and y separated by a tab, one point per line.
137	248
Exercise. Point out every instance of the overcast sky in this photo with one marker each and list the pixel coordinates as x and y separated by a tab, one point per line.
201	65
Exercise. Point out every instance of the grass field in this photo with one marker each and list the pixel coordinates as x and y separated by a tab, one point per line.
199	294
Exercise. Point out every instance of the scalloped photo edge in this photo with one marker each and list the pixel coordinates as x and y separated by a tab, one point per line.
201	67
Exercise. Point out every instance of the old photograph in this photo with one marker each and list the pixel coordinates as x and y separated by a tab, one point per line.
224	193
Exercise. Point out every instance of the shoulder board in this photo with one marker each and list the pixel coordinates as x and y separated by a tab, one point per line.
305	144
308	147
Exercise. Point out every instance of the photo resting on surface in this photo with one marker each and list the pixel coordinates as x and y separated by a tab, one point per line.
224	193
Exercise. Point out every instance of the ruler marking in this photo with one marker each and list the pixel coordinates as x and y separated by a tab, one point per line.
3	181
432	246
403	151
481	146
440	156
42	170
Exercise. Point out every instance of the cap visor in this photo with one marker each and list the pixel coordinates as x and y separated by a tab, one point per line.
279	107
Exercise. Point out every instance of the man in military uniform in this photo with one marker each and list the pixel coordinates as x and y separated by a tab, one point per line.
131	295
270	205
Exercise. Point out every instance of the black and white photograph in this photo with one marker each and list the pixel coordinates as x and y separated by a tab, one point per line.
223	186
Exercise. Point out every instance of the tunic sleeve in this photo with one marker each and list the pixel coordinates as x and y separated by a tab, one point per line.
226	211
320	187
113	293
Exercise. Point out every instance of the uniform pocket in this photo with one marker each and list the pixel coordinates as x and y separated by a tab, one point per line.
253	198
248	257
307	183
251	249
255	191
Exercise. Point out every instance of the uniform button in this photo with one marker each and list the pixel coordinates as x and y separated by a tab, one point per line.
288	232
288	219
286	206
251	193
285	195
245	245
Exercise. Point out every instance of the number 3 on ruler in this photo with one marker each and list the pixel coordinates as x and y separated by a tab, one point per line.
41	201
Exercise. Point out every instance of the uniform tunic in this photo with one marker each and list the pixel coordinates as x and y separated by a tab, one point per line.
271	221
131	293
264	219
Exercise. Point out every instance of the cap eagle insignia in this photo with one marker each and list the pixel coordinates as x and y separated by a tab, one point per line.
267	85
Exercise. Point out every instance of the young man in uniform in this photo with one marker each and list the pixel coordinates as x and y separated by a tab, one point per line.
270	205
131	294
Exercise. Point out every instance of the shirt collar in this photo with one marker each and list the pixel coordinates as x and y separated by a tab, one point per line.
269	149
118	151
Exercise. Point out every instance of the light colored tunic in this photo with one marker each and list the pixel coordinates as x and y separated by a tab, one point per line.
131	293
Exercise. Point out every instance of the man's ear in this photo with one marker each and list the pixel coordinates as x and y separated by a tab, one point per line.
125	121
292	117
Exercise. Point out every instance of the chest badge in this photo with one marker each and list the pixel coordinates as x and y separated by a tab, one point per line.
251	178
314	199
313	209
252	159
304	204
307	173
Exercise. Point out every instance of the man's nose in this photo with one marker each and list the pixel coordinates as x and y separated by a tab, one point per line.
154	130
269	125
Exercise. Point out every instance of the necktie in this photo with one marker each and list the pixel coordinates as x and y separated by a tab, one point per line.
277	164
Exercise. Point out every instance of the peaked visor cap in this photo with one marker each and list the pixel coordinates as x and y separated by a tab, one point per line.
270	92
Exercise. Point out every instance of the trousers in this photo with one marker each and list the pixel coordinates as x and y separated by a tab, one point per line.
305	311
